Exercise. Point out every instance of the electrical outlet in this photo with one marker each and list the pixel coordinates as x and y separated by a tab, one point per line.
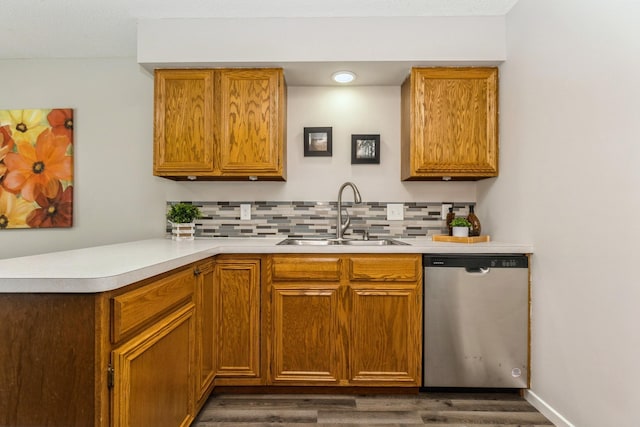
245	211
395	211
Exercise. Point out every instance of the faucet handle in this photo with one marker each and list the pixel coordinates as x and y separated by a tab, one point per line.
365	234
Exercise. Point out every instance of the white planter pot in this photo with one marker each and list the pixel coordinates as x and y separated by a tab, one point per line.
460	231
183	231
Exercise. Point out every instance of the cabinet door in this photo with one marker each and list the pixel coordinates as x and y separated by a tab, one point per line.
183	126
153	381
385	322
237	315
306	311
385	346
205	310
306	343
252	122
450	123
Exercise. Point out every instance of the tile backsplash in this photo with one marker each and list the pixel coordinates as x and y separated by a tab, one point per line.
313	219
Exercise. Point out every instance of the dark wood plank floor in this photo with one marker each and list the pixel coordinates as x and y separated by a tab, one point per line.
432	409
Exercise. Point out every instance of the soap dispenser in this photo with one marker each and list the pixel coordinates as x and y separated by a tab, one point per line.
475	228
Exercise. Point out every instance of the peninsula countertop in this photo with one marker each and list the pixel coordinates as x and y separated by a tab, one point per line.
104	268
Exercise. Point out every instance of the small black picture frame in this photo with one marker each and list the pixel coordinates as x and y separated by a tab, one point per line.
317	142
365	149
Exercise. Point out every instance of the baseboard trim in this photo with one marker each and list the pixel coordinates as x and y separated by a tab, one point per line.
545	409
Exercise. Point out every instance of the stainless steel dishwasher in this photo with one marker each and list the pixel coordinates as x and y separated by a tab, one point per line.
476	321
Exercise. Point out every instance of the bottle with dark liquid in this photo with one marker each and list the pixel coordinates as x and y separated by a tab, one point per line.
475	228
450	217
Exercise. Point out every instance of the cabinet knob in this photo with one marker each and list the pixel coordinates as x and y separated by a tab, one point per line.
196	272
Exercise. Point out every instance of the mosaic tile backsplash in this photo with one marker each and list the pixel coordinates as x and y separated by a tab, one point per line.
318	219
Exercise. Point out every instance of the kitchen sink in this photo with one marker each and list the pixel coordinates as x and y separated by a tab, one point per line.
341	242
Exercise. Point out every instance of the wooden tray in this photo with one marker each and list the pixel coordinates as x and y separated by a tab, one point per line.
475	239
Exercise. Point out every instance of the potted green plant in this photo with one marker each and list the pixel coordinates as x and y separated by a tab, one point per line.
182	217
460	227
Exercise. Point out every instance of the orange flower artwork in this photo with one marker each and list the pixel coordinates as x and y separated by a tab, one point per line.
36	168
6	145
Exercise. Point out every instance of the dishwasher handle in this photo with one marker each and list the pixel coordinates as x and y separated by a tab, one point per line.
479	271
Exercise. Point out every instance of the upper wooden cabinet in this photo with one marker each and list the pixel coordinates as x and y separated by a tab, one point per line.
183	127
449	124
220	124
252	124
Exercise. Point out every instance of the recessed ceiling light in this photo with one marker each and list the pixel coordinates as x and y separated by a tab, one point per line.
343	76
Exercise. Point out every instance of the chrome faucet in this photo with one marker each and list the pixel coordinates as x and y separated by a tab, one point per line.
340	227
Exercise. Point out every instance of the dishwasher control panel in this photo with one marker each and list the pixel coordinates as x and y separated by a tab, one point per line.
477	261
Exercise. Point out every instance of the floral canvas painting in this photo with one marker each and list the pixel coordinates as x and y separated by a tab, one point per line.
36	168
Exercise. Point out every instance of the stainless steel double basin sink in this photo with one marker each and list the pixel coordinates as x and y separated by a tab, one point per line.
341	242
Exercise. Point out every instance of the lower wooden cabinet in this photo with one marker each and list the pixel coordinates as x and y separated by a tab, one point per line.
205	330
150	353
385	321
384	334
153	384
237	320
52	369
306	334
125	357
345	320
305	305
154	356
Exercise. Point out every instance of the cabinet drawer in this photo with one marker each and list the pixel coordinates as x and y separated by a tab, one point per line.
135	308
386	268
306	268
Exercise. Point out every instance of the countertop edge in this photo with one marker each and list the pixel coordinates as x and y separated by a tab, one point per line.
105	268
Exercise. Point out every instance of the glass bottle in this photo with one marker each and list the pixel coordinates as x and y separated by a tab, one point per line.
475	228
450	217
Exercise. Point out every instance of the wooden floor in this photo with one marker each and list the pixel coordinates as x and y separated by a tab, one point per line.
432	409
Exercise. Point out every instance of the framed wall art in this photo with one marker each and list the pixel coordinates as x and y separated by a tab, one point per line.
365	149
317	142
36	168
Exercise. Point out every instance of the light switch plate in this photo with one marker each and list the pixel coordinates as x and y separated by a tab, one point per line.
245	211
395	211
445	210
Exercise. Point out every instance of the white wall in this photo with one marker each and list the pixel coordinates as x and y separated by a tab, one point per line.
569	180
116	198
326	39
379	49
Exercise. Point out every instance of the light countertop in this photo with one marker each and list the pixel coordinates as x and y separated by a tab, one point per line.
104	268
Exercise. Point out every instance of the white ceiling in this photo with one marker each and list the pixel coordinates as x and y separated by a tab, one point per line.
107	28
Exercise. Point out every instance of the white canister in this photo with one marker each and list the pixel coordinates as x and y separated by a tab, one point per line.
460	231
